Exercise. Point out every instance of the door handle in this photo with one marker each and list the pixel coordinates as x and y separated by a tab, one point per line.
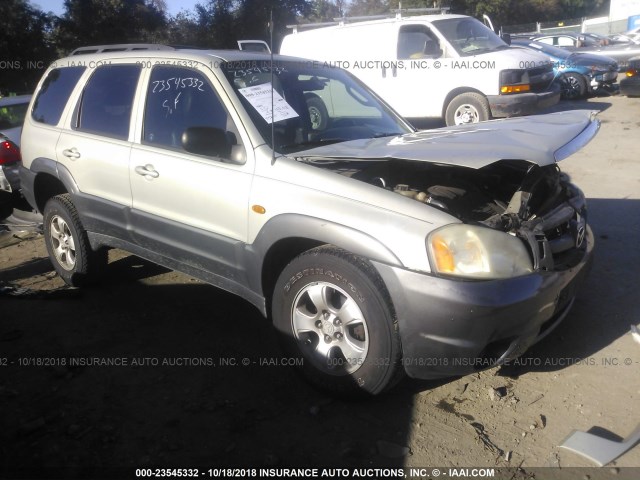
71	153
147	171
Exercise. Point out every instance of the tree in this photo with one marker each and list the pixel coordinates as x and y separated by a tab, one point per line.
368	7
325	11
253	18
95	22
25	45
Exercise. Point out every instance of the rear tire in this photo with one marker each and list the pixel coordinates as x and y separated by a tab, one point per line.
335	316
68	245
467	108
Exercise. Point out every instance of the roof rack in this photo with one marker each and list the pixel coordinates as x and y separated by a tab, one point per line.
395	13
121	47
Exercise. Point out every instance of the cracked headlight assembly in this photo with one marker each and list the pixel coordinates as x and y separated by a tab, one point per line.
477	253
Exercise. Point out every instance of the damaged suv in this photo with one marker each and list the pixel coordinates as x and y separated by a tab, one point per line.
375	249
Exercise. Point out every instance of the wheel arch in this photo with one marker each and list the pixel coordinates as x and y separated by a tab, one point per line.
286	236
51	179
458	91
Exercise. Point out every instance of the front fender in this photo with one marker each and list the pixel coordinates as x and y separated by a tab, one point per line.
291	225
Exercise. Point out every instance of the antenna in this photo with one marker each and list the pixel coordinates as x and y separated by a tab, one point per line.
273	117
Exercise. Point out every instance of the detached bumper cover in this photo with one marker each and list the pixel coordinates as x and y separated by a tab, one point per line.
452	327
522	103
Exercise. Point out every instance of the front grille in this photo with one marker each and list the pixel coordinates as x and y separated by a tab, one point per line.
540	78
557	238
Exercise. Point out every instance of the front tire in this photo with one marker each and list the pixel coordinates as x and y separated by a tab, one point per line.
334	314
318	114
574	86
467	108
68	245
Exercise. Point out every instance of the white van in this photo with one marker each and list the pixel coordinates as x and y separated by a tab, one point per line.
442	66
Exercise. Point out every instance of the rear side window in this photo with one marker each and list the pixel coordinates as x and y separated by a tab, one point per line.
107	101
54	93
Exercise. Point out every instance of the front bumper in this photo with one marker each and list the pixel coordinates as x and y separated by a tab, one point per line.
603	80
452	327
522	103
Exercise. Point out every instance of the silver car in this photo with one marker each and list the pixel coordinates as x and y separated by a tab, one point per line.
375	249
12	113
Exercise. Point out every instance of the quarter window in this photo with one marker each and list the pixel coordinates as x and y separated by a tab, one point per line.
54	93
107	101
179	98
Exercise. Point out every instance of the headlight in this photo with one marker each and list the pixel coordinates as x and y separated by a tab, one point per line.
477	252
514	81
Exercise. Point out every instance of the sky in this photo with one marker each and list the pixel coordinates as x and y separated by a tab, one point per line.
57	6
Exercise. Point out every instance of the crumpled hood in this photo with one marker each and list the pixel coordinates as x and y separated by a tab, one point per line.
540	139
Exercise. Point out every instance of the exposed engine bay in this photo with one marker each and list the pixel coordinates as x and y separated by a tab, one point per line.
537	204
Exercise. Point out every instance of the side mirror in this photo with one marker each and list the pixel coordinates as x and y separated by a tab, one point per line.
213	142
506	38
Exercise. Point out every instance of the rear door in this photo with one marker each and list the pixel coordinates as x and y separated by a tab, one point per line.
95	147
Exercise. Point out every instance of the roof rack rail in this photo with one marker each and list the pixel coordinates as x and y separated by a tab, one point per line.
120	47
395	13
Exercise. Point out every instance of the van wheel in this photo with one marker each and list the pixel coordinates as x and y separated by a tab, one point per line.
68	245
573	85
318	113
335	317
467	108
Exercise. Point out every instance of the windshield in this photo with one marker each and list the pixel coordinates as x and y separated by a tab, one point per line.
468	36
12	116
313	105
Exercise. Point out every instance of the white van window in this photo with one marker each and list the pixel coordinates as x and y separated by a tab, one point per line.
417	41
468	36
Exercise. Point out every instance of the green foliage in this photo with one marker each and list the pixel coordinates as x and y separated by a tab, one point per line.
325	11
368	7
99	22
25	45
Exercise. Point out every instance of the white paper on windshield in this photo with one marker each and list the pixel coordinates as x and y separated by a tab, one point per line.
259	96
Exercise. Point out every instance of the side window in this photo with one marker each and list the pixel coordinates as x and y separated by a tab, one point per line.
179	98
107	101
54	93
565	42
417	41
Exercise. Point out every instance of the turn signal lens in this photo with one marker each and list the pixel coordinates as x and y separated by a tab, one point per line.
515	88
442	255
